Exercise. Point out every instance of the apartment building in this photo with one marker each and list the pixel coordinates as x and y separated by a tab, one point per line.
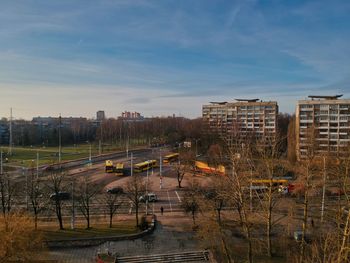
326	119
100	115
241	119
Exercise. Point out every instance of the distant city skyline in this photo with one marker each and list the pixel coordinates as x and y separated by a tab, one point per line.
168	57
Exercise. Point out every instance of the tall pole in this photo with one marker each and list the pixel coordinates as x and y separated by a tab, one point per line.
324	187
73	208
131	165
251	190
90	153
10	141
147	190
37	165
1	168
160	168
26	174
127	147
59	139
100	142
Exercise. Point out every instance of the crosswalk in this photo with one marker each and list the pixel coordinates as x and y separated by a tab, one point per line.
190	256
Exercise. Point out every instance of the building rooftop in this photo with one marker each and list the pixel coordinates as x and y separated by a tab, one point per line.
247	100
335	97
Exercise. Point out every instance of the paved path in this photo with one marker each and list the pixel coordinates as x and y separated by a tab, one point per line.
172	234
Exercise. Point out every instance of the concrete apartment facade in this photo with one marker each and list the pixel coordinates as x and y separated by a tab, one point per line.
241	119
328	119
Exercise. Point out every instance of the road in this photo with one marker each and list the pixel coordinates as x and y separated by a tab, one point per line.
169	197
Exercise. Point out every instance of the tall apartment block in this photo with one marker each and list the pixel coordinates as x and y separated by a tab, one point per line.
328	118
241	119
100	115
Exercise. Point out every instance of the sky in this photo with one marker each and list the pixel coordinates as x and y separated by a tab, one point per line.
168	57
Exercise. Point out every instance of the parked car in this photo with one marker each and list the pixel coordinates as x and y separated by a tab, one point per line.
115	190
60	196
151	197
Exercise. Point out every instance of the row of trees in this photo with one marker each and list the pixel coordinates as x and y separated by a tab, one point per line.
55	193
263	220
110	131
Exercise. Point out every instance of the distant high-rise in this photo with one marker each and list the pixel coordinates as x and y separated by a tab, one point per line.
241	120
327	120
100	115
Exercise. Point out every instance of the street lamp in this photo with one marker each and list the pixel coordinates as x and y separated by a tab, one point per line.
89	151
147	189
160	168
197	146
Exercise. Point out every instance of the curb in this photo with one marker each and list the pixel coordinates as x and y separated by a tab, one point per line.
95	241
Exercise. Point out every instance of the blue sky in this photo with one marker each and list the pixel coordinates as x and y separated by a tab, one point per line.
163	57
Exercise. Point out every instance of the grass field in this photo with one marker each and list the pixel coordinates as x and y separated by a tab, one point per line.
51	233
26	156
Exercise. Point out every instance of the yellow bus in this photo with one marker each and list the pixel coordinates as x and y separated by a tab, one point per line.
203	167
109	166
144	166
119	169
274	182
170	158
262	185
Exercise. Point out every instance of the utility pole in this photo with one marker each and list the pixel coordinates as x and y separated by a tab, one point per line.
73	208
90	153
10	141
251	190
160	168
26	174
100	142
127	147
37	165
1	168
59	140
147	190
131	165
324	187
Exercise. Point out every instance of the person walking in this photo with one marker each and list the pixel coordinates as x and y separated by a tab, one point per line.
161	210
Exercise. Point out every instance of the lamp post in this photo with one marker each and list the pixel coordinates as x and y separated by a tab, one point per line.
37	165
73	208
323	188
131	165
147	190
160	168
1	169
197	146
90	155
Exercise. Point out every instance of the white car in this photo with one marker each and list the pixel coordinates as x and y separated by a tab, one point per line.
151	197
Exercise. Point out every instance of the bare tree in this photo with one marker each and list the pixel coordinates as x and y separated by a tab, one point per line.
7	191
86	193
113	203
269	154
190	202
212	232
180	170
237	182
135	188
308	167
56	186
35	193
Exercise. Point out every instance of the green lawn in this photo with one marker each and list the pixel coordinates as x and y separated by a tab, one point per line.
81	232
26	156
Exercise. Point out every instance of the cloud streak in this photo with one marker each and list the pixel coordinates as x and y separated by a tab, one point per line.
154	54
